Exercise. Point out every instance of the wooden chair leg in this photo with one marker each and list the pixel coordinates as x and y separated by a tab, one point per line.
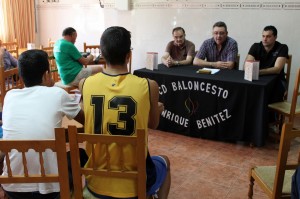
281	121
2	193
2	155
250	191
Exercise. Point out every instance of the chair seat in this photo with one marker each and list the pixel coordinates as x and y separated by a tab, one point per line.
284	107
267	174
276	181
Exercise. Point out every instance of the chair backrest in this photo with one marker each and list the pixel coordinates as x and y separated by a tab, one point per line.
22	146
287	72
296	93
95	51
12	47
139	142
9	79
52	63
92	49
237	62
287	136
50	43
48	50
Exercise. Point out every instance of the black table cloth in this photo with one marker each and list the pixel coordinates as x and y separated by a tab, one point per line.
221	106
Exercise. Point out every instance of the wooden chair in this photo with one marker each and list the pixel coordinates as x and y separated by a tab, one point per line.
139	142
50	43
9	79
12	47
48	50
92	49
52	63
275	181
237	62
288	109
95	51
287	72
39	146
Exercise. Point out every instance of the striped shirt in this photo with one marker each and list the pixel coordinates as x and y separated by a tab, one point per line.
209	51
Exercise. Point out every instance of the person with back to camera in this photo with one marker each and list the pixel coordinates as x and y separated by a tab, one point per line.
180	51
103	108
272	56
32	113
218	52
70	61
9	60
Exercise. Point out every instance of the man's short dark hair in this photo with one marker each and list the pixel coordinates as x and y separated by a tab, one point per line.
32	66
115	44
68	31
271	28
178	28
220	24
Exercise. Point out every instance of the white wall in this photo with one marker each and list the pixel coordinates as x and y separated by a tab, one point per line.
151	22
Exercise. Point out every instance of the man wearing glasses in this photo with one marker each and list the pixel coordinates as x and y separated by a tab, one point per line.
180	51
218	52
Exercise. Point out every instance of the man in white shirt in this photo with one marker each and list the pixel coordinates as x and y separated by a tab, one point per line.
32	113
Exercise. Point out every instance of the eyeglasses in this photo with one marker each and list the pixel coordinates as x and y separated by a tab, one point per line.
131	49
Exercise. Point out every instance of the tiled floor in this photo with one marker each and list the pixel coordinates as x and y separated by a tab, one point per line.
206	169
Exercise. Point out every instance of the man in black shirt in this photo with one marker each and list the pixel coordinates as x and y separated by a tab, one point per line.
272	57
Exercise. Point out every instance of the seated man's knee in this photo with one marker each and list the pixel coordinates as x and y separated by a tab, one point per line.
167	161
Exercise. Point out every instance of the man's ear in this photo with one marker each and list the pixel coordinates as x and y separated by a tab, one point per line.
44	77
128	57
47	79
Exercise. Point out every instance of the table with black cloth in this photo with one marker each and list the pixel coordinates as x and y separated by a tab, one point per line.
221	106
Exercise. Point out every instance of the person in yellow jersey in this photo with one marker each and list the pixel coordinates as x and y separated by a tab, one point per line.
118	103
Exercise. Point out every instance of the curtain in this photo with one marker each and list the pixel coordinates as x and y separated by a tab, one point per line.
17	21
3	36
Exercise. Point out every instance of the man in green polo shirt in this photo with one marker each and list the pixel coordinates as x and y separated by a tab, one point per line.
70	61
